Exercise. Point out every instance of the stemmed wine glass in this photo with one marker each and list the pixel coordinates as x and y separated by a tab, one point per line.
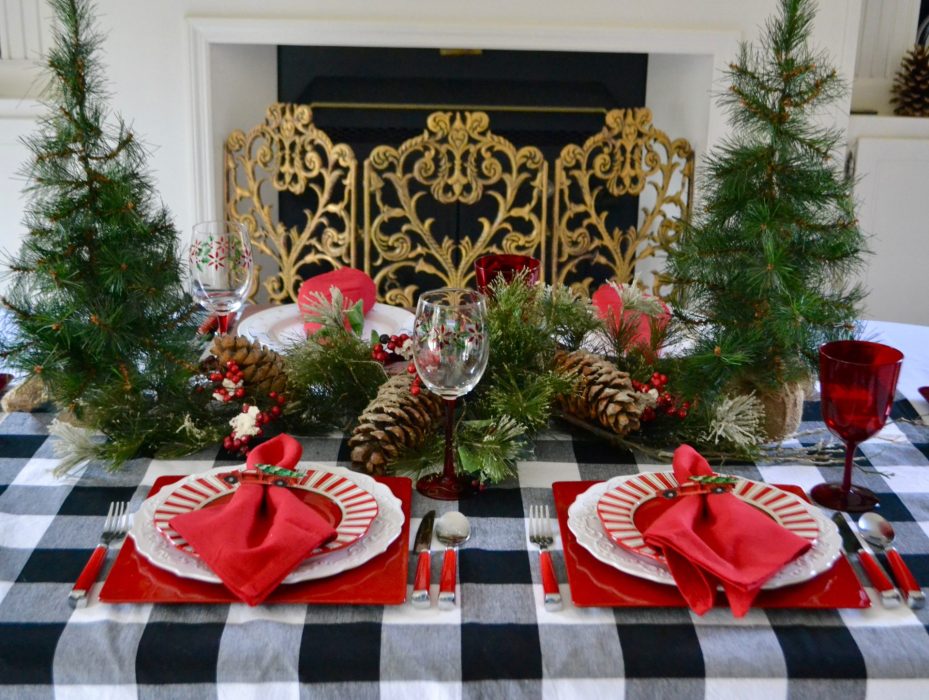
450	351
857	384
221	268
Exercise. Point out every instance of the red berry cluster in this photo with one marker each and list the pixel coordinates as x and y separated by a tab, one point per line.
417	386
387	348
234	375
241	444
668	404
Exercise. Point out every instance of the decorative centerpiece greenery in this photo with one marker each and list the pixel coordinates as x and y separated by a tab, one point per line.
762	276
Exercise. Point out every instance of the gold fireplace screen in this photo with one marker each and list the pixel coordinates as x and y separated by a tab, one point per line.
457	162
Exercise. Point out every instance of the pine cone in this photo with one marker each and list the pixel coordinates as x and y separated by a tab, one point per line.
396	420
911	85
262	369
603	394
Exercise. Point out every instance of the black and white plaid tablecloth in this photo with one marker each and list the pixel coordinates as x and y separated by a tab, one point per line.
500	642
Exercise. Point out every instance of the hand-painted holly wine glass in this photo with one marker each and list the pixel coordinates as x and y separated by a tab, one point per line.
220	265
857	384
450	351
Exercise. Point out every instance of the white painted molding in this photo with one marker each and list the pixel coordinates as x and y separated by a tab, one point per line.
204	32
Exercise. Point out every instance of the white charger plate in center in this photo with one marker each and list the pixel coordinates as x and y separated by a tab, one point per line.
152	544
282	326
584	521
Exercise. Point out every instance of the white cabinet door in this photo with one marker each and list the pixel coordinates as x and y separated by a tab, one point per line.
893	208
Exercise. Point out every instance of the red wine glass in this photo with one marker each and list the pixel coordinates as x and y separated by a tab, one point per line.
857	380
488	267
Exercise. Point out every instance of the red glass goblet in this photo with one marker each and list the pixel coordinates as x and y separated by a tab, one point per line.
857	384
488	267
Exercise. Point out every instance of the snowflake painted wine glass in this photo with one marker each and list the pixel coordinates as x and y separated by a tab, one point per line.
857	384
450	351
221	268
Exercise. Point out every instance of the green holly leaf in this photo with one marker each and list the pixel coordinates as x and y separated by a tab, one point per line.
356	318
469	460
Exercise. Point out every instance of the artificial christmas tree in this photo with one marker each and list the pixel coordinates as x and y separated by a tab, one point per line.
762	274
97	297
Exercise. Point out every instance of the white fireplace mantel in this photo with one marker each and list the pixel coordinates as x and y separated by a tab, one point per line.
681	73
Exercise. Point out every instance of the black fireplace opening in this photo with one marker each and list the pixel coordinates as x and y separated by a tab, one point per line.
366	97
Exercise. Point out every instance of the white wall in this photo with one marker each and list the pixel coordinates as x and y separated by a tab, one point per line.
147	47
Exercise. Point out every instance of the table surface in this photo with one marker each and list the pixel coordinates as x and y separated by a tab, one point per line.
500	642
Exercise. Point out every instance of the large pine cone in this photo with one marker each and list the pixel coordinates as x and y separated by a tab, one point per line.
394	421
602	393
911	85
262	369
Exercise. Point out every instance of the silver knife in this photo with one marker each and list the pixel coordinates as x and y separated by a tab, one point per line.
890	596
422	543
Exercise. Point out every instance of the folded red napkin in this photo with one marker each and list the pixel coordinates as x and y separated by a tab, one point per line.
253	541
713	539
354	285
610	308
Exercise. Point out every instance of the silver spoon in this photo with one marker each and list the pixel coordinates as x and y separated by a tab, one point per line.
452	530
878	531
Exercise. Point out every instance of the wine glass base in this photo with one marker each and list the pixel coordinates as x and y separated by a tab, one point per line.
857	500
445	488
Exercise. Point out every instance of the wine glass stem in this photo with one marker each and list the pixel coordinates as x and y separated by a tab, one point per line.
850	448
449	471
222	324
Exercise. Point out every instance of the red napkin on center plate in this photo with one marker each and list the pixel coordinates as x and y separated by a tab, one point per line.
354	285
719	539
253	541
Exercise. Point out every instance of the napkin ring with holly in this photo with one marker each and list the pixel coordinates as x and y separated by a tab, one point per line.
703	484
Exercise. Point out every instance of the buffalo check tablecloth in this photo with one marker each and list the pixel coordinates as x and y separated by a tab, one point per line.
500	642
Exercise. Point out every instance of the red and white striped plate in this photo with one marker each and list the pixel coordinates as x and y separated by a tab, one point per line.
346	506
634	502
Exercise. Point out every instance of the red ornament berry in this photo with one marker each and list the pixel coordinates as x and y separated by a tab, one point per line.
281	399
216	377
411	368
240	392
272	394
682	413
415	390
275	411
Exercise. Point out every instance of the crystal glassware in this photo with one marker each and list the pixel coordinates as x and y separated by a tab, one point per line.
221	268
488	267
857	380
450	351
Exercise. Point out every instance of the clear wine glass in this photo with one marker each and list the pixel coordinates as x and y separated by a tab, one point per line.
857	380
221	268
450	351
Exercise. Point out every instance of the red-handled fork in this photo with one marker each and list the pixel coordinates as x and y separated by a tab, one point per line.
114	529
540	534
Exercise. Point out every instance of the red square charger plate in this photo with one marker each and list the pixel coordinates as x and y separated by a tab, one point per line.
380	581
594	583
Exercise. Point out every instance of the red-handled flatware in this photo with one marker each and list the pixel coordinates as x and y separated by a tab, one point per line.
878	531
452	530
421	544
540	534
114	529
890	597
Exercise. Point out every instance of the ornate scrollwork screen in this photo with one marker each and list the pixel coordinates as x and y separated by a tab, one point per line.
436	202
629	158
289	154
497	191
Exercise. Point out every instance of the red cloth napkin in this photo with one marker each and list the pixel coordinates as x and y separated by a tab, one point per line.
719	539
354	285
253	541
610	308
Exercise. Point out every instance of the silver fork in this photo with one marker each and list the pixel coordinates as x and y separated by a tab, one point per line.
540	534
114	529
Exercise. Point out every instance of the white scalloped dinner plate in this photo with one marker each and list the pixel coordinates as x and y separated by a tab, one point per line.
620	508
341	502
584	522
383	529
282	326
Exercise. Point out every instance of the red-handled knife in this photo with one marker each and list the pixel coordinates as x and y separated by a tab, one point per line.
890	596
421	544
